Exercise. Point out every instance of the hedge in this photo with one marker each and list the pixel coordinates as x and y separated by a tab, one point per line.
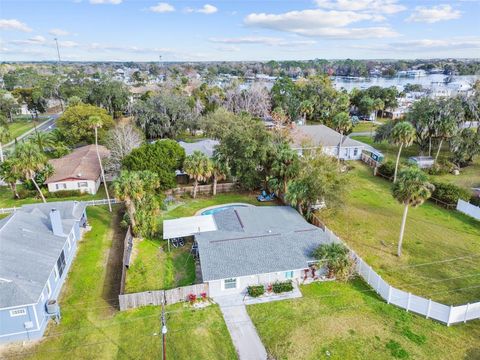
449	193
65	193
256	290
283	286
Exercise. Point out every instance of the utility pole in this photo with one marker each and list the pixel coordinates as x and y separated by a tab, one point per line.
58	69
164	330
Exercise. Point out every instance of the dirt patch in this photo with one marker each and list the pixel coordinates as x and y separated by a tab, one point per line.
113	277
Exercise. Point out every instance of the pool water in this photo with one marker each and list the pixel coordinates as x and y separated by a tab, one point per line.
222	208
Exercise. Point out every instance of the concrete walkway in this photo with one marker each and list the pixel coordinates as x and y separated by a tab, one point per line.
244	335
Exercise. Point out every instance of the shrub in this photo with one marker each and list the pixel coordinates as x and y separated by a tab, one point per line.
441	167
192	298
256	290
475	200
449	193
282	286
336	257
387	168
65	193
26	193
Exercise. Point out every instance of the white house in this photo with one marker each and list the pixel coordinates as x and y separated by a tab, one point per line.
248	245
321	136
79	170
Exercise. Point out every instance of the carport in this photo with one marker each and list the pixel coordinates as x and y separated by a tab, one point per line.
187	226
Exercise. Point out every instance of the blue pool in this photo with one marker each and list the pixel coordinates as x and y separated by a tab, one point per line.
221	208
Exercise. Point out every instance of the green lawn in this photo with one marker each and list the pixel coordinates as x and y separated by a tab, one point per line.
370	224
153	267
364	126
346	321
20	126
92	328
7	200
469	177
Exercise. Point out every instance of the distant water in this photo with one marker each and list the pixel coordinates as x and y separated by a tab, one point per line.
427	81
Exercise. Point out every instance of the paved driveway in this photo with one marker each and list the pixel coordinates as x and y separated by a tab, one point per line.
244	335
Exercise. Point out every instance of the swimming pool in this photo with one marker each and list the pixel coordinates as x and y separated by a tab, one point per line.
221	208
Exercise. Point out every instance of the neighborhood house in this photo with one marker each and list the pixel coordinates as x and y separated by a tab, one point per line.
321	136
248	245
79	170
37	245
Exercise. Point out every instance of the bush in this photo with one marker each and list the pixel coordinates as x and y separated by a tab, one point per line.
256	290
26	193
387	168
65	193
282	286
475	200
442	167
449	193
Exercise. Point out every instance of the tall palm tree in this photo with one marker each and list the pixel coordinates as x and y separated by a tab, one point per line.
403	134
446	128
342	124
128	188
28	160
220	170
4	137
96	122
286	164
306	109
198	167
411	189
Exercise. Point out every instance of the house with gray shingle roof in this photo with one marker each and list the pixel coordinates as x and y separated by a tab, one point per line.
321	136
37	245
256	245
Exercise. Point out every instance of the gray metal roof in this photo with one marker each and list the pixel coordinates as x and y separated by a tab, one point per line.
29	250
320	135
264	240
206	146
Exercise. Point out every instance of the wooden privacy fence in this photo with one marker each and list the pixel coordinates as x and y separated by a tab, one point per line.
127	252
408	301
203	189
172	296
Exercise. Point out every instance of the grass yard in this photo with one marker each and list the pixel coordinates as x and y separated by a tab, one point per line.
446	242
92	328
153	267
20	126
7	200
469	177
346	321
364	126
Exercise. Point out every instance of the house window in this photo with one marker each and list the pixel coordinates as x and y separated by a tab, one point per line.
355	152
82	184
230	283
61	186
18	312
288	274
61	263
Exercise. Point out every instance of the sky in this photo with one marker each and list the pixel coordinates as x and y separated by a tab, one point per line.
140	30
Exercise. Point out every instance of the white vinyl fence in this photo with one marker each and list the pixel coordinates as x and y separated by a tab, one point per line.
408	301
468	209
88	203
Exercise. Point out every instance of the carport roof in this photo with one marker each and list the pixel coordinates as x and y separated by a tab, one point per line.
188	226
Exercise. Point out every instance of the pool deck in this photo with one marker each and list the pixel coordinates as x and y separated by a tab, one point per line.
199	212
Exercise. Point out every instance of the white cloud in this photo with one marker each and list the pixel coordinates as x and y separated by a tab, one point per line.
58	32
431	46
14	24
35	40
374	6
162	7
263	40
111	2
321	23
68	44
433	14
208	9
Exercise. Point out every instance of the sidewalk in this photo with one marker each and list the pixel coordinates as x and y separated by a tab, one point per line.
244	335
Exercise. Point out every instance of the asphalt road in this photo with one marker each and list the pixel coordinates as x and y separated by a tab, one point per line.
45	126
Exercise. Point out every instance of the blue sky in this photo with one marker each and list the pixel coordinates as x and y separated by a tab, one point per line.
141	30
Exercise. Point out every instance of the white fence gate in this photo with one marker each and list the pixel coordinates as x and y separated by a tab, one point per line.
408	301
468	209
